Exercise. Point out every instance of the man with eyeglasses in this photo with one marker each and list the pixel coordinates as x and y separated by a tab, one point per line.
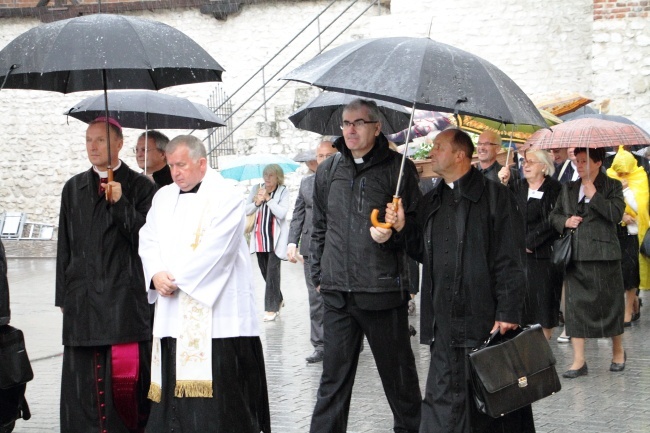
156	163
487	148
300	234
359	279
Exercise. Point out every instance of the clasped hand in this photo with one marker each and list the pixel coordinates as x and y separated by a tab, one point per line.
164	283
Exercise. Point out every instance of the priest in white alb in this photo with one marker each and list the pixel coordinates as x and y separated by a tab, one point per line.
207	364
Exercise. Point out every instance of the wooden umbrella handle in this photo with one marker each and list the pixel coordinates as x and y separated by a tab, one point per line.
375	213
108	186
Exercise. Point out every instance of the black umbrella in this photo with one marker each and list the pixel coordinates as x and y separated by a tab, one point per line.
145	109
322	114
420	73
104	51
423	73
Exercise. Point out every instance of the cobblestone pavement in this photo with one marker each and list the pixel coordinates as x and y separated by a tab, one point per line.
600	402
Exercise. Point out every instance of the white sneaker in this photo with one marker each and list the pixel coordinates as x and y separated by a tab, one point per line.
563	339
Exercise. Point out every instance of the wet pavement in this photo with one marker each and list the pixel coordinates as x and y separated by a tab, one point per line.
600	402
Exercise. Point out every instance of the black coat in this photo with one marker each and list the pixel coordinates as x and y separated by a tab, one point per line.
5	312
343	256
301	222
595	238
540	234
99	275
491	274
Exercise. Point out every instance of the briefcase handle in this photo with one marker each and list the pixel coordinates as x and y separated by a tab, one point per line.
496	337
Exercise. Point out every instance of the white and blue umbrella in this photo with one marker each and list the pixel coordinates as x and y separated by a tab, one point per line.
252	166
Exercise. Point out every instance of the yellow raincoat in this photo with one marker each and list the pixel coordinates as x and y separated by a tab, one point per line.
637	180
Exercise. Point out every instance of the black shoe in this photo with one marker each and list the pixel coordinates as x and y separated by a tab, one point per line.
628	324
315	357
572	374
616	366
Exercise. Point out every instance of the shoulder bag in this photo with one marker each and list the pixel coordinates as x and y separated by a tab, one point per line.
15	368
644	248
561	253
513	370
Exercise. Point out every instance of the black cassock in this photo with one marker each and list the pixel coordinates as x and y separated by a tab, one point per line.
100	286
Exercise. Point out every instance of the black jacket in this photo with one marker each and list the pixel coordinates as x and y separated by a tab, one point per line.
99	275
595	238
491	275
343	256
5	312
301	222
540	234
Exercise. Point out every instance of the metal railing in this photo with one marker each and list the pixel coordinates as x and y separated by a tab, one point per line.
219	140
227	136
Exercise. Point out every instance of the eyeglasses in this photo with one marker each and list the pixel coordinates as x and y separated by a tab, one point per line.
487	143
137	150
357	123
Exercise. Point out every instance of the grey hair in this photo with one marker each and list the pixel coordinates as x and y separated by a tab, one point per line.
159	138
195	146
545	158
373	110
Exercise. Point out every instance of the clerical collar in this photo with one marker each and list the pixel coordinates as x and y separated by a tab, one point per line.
104	174
365	158
193	190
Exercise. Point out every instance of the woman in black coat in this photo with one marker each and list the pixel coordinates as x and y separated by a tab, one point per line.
536	196
592	206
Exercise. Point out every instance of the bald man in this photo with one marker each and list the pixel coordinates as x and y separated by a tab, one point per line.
300	229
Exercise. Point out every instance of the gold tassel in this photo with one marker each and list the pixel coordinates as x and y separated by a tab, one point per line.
155	393
193	388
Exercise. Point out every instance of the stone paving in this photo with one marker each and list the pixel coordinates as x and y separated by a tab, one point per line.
600	402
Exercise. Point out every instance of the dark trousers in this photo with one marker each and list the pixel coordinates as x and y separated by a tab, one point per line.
270	267
388	337
315	311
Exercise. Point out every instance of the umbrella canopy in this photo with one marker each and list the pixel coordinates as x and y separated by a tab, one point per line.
562	103
610	117
590	133
252	166
420	73
72	55
507	131
147	110
322	114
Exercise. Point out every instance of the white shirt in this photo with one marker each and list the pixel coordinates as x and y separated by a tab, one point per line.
217	273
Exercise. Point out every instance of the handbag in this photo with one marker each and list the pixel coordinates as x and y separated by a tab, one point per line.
561	254
15	368
644	248
513	370
250	222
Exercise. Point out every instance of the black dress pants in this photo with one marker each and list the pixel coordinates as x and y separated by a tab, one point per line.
388	337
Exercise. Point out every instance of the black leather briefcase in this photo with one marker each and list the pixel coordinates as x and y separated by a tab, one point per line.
513	370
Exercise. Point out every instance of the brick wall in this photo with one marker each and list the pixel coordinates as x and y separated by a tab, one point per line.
618	9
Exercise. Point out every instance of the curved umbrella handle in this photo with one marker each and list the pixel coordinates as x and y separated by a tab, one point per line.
375	213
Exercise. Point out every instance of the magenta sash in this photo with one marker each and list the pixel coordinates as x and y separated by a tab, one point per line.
126	370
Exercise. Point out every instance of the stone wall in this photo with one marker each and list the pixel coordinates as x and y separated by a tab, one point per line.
551	48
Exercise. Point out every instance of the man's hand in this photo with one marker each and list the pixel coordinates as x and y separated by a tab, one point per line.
380	235
504	175
396	218
164	283
115	189
628	219
504	326
293	255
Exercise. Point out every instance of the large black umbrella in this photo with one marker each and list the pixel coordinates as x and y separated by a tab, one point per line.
144	109
420	73
73	55
423	73
104	51
322	114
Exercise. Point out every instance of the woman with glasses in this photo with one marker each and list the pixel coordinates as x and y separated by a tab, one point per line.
536	196
591	207
270	203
